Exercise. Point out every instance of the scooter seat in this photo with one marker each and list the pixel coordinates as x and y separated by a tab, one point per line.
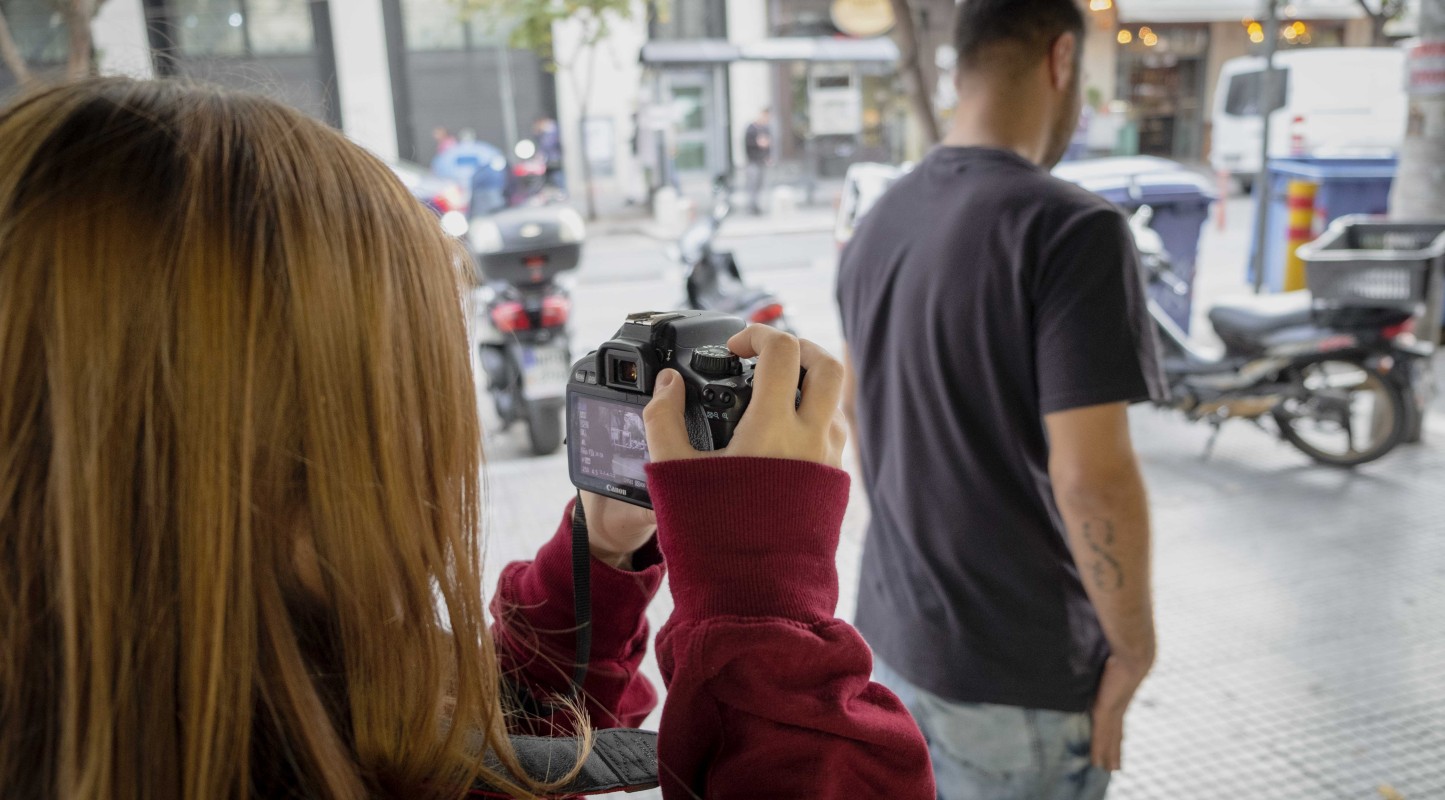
1251	318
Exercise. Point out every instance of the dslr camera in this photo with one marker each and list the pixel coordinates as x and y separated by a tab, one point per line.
606	442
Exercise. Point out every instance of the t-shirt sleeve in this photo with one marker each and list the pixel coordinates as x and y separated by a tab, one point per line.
1094	342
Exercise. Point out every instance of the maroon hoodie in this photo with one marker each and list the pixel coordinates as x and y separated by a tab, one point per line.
767	693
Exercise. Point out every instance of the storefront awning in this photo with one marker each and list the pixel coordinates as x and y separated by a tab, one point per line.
717	51
690	51
1232	10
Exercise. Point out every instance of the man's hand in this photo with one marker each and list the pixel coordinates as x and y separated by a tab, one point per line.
616	529
772	427
1102	499
1116	689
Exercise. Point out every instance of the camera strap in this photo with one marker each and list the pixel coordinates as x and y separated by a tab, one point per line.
581	595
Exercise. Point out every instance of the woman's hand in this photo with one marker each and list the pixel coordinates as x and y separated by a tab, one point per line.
616	529
771	427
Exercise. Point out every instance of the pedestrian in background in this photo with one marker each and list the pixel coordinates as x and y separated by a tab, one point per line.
549	144
758	144
997	330
444	140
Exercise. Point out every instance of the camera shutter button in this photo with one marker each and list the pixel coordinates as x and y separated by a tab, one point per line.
715	359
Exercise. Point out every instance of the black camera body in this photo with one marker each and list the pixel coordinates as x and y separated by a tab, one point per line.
606	441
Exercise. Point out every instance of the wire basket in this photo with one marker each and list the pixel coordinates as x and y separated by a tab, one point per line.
1367	261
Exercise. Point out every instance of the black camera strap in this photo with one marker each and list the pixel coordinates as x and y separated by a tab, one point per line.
581	595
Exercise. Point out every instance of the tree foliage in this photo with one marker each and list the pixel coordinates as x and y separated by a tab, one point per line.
530	22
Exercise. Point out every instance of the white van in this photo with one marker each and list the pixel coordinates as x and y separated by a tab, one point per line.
1338	102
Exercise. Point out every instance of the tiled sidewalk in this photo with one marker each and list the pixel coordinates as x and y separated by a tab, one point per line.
1301	614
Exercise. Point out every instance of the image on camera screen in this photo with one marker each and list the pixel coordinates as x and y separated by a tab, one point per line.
611	442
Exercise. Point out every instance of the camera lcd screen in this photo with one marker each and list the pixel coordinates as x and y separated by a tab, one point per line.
611	443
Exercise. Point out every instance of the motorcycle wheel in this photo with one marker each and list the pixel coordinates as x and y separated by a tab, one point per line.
544	428
1341	400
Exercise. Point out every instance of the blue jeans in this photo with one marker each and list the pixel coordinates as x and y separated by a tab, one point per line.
982	751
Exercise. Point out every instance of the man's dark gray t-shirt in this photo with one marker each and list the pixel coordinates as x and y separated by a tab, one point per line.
979	295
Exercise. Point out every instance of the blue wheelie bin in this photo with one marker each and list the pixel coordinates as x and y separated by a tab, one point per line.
1346	186
1180	199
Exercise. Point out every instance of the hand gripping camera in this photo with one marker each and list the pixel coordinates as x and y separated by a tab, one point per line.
606	442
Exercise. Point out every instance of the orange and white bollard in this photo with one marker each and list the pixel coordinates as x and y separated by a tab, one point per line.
1300	201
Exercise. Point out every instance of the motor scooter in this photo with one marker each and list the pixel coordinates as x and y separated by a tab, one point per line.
521	313
711	279
1332	380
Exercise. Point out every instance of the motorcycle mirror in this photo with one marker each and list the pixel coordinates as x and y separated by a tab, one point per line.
1144	215
525	149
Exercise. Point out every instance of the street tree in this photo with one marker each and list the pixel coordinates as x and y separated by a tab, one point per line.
76	16
1419	190
1381	13
11	54
532	24
910	68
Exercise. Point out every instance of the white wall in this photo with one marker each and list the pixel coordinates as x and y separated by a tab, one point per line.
363	76
750	84
616	79
120	39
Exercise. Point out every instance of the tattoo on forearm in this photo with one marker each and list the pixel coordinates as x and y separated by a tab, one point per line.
1104	568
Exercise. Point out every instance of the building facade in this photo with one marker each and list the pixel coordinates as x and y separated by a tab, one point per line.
388	72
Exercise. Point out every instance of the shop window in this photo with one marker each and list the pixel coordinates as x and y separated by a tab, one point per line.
689	19
433	25
242	27
279	27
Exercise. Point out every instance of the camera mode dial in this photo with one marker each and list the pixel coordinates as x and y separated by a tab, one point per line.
715	359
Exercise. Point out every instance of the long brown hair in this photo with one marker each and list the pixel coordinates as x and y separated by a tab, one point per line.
239	461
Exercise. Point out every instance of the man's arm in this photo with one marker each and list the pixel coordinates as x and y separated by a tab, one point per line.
1101	496
850	407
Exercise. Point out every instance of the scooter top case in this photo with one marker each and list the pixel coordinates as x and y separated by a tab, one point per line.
529	245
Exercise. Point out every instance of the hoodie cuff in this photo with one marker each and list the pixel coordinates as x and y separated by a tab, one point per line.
620	597
754	537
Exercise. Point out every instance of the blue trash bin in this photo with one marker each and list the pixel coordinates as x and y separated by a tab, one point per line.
1180	199
1346	186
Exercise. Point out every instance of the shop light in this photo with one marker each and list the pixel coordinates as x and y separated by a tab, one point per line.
1257	38
1125	36
1298	28
1100	5
1145	32
1150	40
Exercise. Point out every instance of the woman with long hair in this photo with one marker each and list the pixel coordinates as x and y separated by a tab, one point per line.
239	500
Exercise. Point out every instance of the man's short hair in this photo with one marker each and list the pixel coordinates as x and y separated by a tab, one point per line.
1011	35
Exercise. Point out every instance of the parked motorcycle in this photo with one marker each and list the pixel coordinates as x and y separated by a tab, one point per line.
712	280
1333	380
522	334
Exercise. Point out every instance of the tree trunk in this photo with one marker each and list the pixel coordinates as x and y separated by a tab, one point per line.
11	53
1419	190
77	15
911	69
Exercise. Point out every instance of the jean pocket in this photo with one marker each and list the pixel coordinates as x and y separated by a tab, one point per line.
996	741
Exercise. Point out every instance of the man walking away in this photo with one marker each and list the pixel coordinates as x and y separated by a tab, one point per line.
997	328
758	143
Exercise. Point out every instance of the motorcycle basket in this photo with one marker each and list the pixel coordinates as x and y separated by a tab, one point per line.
1364	261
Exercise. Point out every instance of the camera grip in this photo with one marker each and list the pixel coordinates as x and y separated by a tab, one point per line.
699	433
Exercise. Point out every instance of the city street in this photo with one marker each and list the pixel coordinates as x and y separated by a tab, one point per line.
1299	607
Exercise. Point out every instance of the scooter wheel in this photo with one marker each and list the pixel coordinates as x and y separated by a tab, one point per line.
1347	413
544	428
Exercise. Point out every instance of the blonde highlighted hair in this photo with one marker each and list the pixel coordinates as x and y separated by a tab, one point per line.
239	461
